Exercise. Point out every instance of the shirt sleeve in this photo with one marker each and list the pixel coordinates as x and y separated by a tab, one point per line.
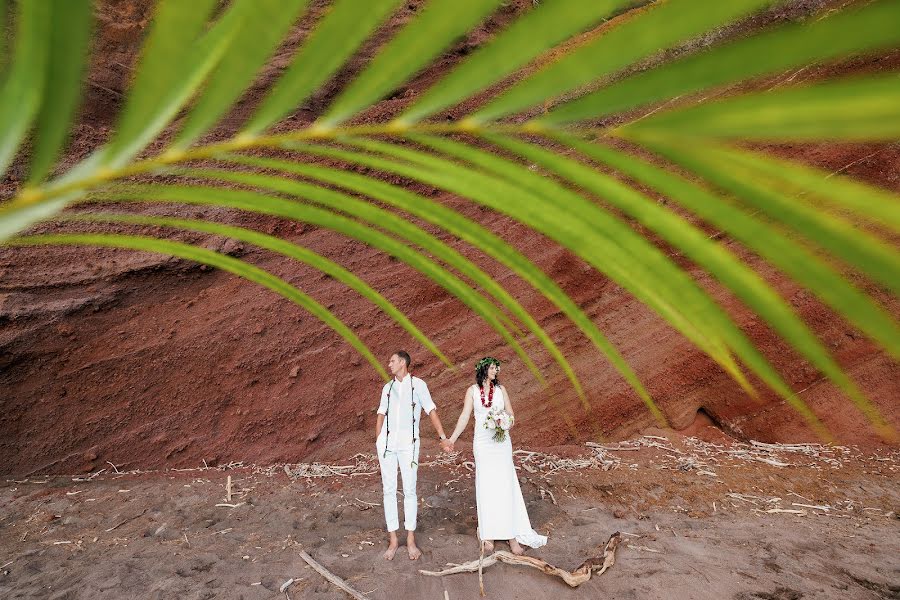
383	406
425	397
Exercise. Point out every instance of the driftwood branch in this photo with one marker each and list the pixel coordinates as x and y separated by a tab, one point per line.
582	573
331	577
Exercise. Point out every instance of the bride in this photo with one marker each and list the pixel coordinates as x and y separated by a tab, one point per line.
501	509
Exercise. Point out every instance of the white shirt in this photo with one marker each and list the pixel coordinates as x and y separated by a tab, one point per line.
403	411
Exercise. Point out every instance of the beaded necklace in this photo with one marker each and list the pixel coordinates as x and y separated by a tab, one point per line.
490	398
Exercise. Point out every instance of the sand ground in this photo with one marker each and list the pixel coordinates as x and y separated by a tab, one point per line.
700	521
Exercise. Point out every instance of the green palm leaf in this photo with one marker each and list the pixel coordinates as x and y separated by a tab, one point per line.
720	263
338	35
791	257
441	22
661	26
368	213
856	109
23	87
832	233
69	36
844	33
837	193
3	9
176	58
200	57
261	25
538	30
775	247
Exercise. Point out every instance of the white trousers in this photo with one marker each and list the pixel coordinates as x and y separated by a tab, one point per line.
408	461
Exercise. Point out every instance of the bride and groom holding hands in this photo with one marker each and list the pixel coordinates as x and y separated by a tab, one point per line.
501	509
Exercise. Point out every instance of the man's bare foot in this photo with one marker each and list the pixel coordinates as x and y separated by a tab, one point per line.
515	547
488	546
414	552
392	547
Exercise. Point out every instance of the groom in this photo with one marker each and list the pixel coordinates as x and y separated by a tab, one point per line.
397	429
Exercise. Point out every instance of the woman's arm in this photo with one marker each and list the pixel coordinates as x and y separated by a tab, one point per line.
463	420
508	404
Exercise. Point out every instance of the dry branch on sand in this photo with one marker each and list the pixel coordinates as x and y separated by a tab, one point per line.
331	577
573	578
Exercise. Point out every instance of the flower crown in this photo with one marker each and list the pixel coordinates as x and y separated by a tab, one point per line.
486	361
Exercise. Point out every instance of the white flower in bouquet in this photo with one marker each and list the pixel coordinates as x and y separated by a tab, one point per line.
500	421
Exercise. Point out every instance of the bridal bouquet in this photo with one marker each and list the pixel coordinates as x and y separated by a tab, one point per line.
500	421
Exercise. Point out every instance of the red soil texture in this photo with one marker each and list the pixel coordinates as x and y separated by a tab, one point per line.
147	361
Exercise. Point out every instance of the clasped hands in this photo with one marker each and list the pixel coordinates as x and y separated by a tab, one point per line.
447	445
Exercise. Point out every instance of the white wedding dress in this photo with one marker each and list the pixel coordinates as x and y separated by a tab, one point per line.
501	509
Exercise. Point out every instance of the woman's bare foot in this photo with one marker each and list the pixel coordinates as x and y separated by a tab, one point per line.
414	552
488	546
515	547
392	547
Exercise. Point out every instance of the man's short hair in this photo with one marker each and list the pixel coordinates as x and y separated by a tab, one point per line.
404	356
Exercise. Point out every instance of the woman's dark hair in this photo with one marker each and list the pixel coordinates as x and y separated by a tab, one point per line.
404	356
481	370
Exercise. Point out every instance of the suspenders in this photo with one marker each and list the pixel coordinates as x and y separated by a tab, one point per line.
412	395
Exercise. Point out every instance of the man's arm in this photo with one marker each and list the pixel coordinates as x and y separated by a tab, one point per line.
436	421
430	409
378	423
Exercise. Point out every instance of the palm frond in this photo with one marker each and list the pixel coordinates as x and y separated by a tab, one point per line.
534	33
23	87
831	233
659	27
574	62
263	24
338	35
819	189
71	24
440	23
176	58
841	34
865	108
